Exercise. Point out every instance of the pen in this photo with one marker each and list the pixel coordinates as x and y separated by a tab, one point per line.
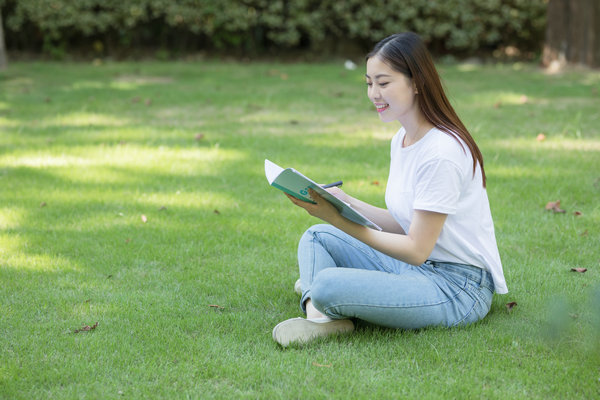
338	183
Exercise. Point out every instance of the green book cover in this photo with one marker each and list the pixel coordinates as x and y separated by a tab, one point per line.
294	183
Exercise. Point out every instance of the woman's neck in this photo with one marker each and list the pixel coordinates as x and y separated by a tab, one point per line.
415	130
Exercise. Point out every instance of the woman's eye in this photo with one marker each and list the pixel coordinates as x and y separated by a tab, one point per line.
383	84
369	84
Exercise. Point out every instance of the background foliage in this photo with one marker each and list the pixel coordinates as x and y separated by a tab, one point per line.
255	27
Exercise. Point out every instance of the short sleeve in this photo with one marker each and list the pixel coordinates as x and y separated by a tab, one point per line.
438	187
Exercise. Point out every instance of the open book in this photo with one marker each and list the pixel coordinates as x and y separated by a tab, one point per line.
294	183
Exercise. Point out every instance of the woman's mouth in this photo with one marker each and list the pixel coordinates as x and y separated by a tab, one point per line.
381	107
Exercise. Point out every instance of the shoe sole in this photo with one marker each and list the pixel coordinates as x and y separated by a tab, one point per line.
298	288
300	330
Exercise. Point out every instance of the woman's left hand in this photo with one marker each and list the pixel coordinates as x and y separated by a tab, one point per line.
323	209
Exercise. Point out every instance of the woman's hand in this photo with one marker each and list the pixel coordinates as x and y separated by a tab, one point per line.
339	193
323	209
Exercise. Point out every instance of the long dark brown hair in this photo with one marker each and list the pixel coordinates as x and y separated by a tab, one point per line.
406	53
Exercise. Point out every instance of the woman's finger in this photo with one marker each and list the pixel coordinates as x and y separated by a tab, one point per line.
297	202
315	196
292	198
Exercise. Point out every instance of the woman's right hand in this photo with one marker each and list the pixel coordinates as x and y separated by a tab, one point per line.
340	194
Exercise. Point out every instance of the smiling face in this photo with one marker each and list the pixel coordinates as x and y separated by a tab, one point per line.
392	92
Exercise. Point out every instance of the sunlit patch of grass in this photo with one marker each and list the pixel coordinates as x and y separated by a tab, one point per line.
43	160
551	143
182	160
143	80
81	118
11	216
8	122
14	255
516	172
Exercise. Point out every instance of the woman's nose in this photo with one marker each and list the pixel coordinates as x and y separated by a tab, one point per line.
374	93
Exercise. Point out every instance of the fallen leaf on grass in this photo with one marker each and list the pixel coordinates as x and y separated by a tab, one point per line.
498	104
148	102
540	137
584	233
127	240
274	72
376	183
199	136
43	204
580	270
86	328
162	208
577	213
216	306
144	218
316	364
554	206
511	305
217	212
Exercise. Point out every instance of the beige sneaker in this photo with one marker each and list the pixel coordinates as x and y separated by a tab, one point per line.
301	330
298	288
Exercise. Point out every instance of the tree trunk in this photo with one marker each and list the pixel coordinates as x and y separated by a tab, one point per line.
572	33
3	58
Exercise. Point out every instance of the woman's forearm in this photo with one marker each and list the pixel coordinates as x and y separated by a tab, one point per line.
380	216
401	247
413	247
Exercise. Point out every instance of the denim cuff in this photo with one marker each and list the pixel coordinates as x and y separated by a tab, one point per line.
305	296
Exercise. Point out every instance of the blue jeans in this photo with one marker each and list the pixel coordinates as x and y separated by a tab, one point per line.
345	278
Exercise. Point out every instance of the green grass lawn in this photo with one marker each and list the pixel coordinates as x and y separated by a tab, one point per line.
133	195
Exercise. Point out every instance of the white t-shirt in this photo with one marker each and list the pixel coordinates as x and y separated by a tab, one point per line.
436	174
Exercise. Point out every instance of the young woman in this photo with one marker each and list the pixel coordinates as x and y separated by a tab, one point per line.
436	261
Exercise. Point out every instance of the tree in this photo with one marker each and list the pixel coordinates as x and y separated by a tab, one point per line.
3	58
572	33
